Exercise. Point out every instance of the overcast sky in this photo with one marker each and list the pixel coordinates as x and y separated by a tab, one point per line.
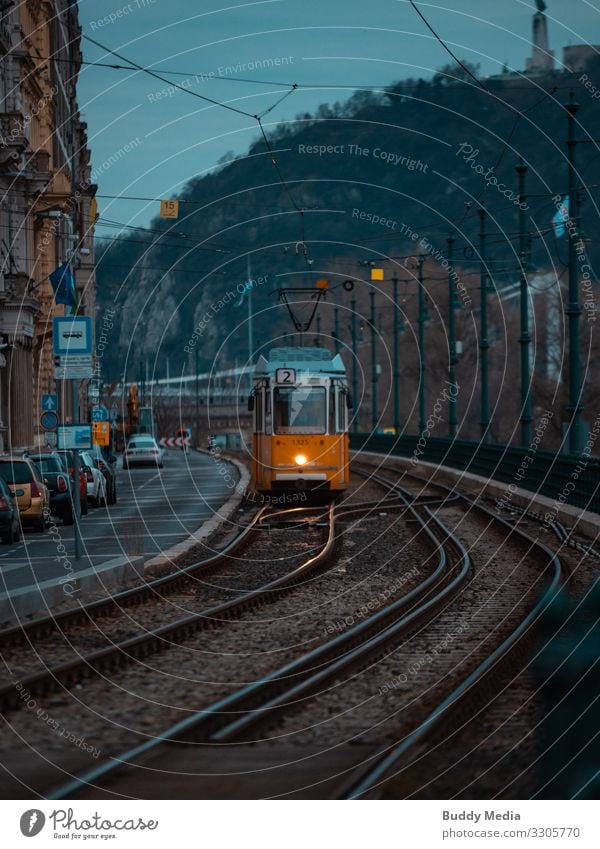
171	136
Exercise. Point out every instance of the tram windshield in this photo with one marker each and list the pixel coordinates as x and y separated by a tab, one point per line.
302	409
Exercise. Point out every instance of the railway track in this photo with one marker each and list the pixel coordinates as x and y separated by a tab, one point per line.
290	685
452	714
285	691
87	663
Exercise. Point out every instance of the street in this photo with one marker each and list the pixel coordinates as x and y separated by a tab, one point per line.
156	508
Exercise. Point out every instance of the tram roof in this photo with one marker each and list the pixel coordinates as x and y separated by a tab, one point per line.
315	360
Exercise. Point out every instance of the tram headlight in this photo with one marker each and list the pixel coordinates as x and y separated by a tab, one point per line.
300	459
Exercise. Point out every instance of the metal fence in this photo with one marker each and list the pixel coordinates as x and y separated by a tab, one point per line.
572	480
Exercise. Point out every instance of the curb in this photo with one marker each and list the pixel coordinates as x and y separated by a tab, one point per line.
584	521
48	594
165	561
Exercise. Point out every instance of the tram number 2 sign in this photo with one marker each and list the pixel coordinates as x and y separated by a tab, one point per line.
285	375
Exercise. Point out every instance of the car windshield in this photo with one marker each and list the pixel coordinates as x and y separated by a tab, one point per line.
16	472
48	464
300	410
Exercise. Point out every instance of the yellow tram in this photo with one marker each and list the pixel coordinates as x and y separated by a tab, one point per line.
300	404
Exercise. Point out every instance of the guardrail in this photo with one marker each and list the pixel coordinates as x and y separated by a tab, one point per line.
573	480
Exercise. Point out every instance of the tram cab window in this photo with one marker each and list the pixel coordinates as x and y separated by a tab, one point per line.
301	409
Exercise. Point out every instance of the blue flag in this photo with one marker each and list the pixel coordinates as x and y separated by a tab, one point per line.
63	285
561	218
248	286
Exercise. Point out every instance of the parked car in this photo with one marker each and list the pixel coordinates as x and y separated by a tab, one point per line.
67	457
56	476
96	482
107	463
10	526
25	482
142	450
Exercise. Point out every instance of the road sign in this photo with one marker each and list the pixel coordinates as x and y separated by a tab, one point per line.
49	420
75	436
101	433
72	335
50	439
99	414
169	209
114	412
73	367
49	402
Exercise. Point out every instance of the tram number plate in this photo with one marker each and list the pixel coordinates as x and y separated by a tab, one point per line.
285	375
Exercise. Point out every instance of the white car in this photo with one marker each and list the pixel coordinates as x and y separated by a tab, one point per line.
142	450
96	482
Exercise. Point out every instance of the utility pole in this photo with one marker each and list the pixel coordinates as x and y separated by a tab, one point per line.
250	316
483	343
396	355
452	424
421	301
373	364
197	393
336	327
355	421
524	337
573	310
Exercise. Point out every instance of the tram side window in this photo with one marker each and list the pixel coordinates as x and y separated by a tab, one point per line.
332	427
342	424
300	409
258	411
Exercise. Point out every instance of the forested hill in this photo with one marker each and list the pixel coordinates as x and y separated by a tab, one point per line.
374	176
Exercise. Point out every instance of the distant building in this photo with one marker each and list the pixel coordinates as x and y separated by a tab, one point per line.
576	57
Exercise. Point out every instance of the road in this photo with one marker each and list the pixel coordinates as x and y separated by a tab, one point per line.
156	508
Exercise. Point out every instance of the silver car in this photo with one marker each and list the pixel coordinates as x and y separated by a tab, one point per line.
142	450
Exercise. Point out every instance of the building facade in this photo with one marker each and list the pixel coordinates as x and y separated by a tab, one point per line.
46	197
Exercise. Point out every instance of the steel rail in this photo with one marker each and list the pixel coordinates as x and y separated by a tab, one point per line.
284	686
393	760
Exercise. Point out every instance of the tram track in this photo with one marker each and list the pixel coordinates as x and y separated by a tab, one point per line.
291	684
453	713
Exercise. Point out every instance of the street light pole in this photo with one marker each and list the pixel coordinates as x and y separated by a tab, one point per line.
373	364
573	310
483	343
524	337
452	423
355	421
421	302
396	355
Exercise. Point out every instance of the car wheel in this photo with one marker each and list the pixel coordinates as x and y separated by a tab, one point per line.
9	537
17	533
40	525
114	493
84	507
68	519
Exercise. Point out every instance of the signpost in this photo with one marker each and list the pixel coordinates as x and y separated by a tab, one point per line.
49	420
74	437
99	414
101	433
49	402
169	209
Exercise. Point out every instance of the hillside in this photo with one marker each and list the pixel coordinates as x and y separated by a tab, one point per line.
375	176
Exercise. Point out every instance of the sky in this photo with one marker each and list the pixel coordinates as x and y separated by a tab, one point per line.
148	138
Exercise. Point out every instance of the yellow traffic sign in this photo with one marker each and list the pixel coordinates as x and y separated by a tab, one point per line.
101	433
377	274
169	209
